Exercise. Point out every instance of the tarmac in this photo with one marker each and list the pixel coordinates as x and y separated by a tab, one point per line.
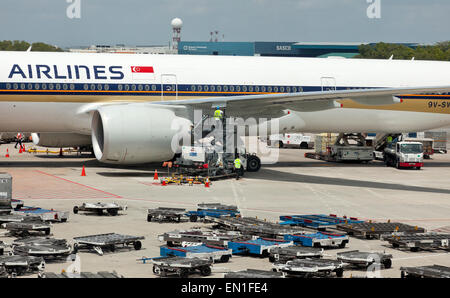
293	185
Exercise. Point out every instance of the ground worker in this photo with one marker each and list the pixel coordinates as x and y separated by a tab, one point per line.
218	114
389	139
238	167
19	138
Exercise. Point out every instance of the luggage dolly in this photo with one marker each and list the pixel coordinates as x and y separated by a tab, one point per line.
254	273
5	218
259	247
317	221
44	214
415	242
101	274
47	248
311	267
365	259
22	229
109	241
433	271
185	238
213	253
284	254
182	267
371	230
16	204
164	214
99	208
319	239
18	265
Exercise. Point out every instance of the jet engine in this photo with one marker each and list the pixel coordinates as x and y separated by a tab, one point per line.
61	139
137	133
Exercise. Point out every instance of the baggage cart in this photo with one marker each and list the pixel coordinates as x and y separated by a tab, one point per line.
317	221
26	228
110	241
99	208
371	230
311	267
365	259
181	267
416	242
20	265
257	247
284	254
101	274
254	273
4	218
44	214
217	206
213	253
319	239
47	248
166	214
433	271
196	236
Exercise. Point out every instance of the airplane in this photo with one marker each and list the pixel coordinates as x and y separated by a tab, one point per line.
130	106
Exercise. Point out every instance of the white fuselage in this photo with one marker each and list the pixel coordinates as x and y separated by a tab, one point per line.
52	92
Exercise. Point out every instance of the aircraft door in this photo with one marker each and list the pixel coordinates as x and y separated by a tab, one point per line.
328	83
169	87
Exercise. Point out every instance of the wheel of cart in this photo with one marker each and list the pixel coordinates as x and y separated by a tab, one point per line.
183	273
224	258
112	212
387	263
339	272
137	245
205	271
75	210
149	218
47	231
193	218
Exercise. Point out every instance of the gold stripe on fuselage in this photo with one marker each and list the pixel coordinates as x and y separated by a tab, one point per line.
426	105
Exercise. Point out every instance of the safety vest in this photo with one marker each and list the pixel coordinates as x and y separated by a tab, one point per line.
218	114
237	163
389	139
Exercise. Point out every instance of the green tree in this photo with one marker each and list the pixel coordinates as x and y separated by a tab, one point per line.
16	45
439	51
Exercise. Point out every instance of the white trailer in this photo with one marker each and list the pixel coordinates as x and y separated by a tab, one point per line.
296	140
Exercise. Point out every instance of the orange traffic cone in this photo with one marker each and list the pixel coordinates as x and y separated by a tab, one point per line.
7	153
23	149
20	150
83	172
207	182
163	183
156	175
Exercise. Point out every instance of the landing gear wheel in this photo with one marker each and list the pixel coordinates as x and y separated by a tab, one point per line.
253	163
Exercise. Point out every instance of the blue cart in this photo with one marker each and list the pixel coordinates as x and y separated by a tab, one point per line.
319	239
317	221
259	247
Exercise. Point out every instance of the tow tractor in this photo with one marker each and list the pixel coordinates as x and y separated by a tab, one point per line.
404	155
202	158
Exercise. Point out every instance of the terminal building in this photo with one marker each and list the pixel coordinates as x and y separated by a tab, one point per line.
273	49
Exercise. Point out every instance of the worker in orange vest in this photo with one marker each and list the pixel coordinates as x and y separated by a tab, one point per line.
19	138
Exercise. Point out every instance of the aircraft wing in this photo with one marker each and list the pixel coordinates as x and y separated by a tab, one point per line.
273	105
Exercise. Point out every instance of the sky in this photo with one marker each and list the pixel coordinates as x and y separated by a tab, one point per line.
147	22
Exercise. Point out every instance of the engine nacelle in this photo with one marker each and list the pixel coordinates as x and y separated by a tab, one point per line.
61	139
137	133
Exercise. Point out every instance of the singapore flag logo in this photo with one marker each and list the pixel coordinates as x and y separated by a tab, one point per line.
142	72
